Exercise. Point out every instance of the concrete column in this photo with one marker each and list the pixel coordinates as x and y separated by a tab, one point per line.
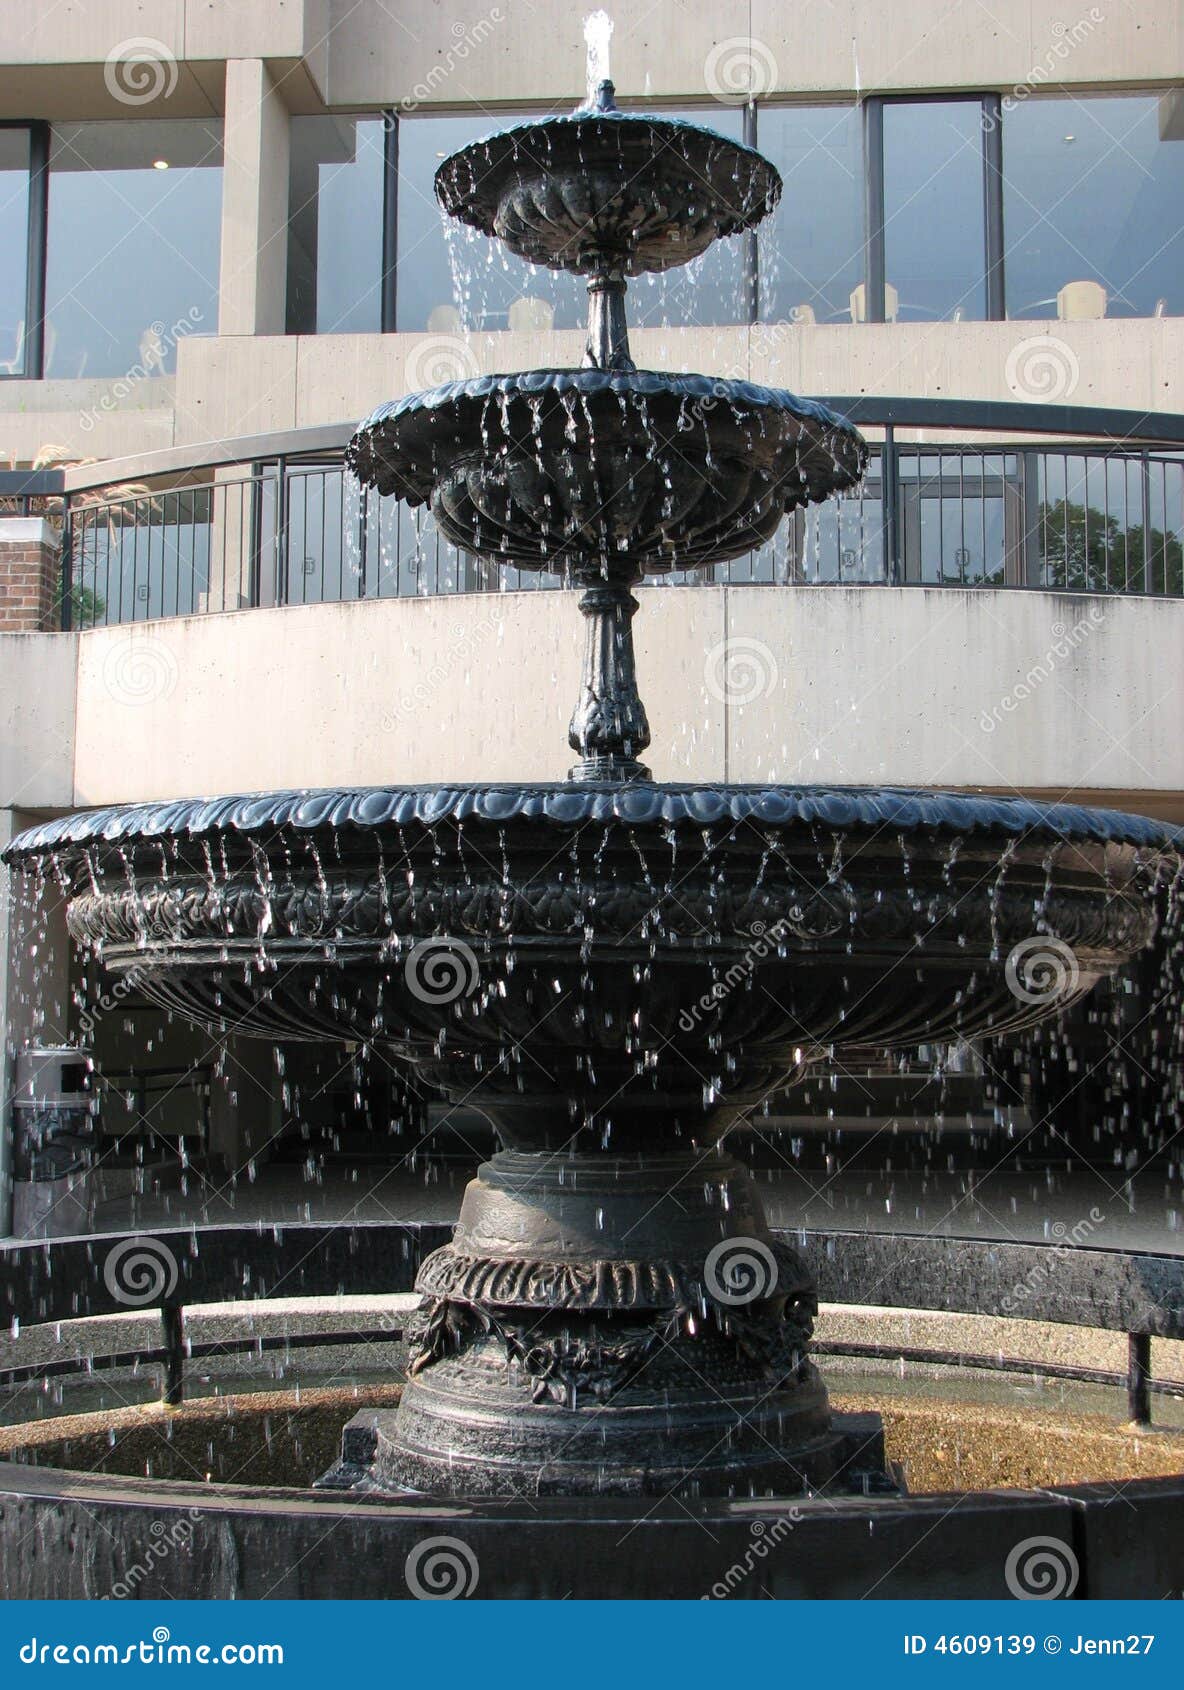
29	559
254	203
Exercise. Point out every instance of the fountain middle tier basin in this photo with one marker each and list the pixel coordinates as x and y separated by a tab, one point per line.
573	469
624	961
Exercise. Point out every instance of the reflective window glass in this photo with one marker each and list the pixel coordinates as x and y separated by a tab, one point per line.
811	249
934	213
335	212
134	237
1093	205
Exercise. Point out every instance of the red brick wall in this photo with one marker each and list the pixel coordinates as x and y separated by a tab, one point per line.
28	576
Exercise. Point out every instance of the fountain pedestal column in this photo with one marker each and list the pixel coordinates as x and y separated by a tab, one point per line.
608	1325
609	725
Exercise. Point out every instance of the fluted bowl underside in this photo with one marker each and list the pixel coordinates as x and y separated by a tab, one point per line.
590	191
632	952
556	469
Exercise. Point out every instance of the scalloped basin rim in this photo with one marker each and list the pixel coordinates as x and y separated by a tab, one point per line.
647	383
570	123
567	804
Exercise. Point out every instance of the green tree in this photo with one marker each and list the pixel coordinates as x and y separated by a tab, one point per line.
1083	549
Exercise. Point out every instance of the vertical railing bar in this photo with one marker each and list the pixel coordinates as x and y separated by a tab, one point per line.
1065	526
1138	1378
172	1329
66	567
282	549
889	491
363	533
208	507
1164	479
176	553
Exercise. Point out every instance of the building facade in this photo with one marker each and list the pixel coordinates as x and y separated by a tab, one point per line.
220	248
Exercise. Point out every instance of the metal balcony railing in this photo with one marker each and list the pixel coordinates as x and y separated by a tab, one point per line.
1056	497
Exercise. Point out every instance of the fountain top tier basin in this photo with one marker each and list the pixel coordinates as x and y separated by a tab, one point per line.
601	190
563	469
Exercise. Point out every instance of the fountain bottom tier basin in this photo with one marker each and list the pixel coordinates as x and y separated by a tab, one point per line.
613	973
614	967
1051	1502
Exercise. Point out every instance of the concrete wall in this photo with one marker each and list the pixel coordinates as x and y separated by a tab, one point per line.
1016	690
447	52
227	387
377	49
37	698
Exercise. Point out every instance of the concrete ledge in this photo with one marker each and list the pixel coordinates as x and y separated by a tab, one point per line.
975	688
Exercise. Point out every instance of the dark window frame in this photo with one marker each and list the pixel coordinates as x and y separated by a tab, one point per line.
36	242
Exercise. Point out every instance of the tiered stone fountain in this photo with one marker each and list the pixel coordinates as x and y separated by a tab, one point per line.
635	963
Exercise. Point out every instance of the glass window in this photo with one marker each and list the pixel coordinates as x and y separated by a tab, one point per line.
934	212
452	278
134	236
1093	194
335	212
811	249
14	247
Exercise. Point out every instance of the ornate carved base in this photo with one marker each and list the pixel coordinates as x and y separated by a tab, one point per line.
610	1326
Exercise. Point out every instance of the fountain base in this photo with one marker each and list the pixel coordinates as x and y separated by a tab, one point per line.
615	1326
